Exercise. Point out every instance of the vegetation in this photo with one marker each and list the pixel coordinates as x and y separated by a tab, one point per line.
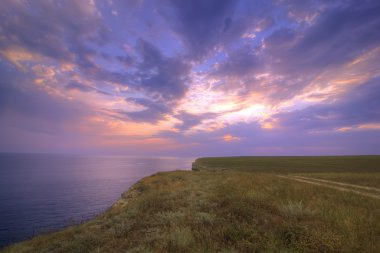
359	178
232	205
291	164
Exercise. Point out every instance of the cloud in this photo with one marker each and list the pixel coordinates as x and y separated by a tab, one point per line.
51	30
163	78
152	112
201	23
229	137
274	75
24	106
206	27
84	88
337	36
359	106
189	120
239	63
304	11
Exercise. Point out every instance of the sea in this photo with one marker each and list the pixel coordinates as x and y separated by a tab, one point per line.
40	193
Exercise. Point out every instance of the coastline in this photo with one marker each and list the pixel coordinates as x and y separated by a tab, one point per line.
224	209
45	193
125	198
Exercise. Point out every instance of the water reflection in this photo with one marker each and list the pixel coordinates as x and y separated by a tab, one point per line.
46	192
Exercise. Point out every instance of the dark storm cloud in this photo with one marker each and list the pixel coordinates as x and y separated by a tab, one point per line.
360	106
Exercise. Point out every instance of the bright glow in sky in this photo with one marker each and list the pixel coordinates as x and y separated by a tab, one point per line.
192	78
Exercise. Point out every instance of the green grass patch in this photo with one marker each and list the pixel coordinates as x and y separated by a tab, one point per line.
228	208
290	164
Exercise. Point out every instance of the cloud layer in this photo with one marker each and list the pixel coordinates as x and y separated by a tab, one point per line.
280	77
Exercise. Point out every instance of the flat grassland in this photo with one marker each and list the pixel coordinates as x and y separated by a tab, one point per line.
238	204
291	164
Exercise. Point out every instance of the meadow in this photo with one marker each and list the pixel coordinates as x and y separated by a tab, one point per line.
237	204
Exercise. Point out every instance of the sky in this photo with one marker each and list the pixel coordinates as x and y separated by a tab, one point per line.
190	78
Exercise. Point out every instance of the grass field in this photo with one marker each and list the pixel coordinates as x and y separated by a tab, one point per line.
290	164
238	204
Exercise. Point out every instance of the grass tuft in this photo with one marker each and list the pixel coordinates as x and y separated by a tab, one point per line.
180	240
296	209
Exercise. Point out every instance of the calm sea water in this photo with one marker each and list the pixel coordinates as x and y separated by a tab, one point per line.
41	193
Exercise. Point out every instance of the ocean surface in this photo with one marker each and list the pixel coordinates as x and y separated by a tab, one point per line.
41	193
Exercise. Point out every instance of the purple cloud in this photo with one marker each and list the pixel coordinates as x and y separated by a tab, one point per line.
212	77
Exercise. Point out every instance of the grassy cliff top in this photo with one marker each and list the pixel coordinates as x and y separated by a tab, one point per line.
290	164
228	210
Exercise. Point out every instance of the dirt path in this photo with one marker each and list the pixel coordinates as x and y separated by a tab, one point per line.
328	185
340	183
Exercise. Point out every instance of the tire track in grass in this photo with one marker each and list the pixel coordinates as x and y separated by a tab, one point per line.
340	188
340	183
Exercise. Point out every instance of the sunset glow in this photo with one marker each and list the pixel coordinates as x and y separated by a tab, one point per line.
234	77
